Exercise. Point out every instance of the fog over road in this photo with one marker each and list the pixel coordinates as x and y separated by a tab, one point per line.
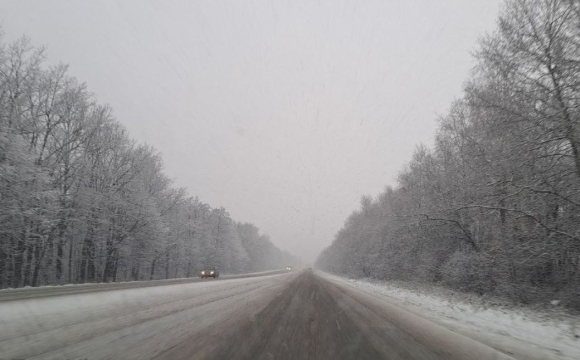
296	315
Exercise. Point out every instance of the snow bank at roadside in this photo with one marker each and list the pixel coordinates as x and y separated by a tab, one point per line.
134	282
517	331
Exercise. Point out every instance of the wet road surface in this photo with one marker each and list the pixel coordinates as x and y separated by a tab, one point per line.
295	315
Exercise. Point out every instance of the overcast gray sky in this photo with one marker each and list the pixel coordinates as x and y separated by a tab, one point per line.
283	112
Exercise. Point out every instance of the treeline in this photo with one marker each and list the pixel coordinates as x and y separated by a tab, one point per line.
494	206
82	202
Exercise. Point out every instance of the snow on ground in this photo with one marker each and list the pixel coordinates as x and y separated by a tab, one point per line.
141	321
521	332
132	282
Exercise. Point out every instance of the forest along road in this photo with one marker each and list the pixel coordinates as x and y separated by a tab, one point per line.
295	315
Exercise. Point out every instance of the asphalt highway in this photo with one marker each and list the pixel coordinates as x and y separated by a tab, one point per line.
294	315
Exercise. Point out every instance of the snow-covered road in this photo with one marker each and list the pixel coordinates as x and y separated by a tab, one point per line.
296	315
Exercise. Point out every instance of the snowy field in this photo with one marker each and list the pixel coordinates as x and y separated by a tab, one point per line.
520	332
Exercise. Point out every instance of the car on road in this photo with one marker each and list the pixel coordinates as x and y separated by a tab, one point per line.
289	268
213	272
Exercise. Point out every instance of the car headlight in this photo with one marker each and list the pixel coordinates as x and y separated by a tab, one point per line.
211	273
203	272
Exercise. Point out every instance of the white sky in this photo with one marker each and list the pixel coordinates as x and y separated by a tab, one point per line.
283	112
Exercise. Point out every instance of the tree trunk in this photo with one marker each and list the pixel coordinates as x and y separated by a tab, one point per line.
188	269
28	271
18	260
116	266
3	264
135	270
109	261
152	269
167	264
60	250
39	256
70	262
87	271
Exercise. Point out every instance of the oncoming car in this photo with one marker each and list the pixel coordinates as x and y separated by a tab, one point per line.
289	268
214	273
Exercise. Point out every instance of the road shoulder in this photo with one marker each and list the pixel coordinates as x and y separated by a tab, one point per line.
518	349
